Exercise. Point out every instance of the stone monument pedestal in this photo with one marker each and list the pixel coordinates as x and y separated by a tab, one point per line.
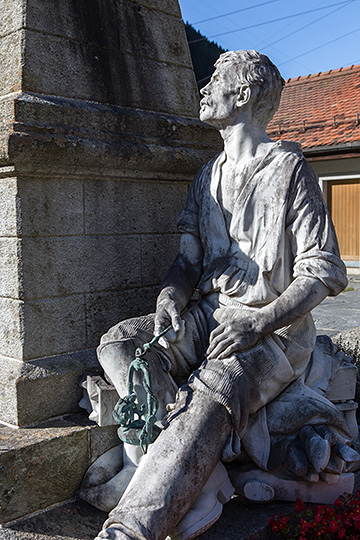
99	142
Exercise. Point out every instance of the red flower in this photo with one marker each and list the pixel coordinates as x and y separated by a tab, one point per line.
299	505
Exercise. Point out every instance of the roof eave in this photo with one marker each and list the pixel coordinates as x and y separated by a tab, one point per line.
351	147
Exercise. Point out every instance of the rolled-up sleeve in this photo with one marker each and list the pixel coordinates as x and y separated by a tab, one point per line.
311	233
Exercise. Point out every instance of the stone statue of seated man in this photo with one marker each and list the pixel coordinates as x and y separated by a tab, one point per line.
258	244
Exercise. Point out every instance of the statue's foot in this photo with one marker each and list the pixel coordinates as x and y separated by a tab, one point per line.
207	507
106	496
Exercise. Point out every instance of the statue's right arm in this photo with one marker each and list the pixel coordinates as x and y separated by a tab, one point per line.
179	283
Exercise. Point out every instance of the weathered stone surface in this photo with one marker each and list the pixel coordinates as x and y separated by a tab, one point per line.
11	17
101	78
155	259
44	464
57	476
60	266
99	43
130	27
145	206
101	440
11	327
8	190
45	378
64	137
87	178
51	206
103	310
9	267
64	330
80	521
10	61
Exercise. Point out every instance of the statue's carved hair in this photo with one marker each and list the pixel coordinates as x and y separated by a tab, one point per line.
256	69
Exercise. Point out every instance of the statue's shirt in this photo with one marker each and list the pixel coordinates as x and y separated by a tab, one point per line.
279	228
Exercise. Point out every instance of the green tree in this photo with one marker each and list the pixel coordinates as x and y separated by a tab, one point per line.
204	54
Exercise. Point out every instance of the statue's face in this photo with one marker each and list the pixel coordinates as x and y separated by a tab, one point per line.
218	106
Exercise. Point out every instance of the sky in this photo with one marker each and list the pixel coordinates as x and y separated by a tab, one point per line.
304	37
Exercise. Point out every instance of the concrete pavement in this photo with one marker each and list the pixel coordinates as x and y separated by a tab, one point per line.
340	314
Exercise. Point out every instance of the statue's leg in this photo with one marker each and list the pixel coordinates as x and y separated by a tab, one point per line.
116	351
172	474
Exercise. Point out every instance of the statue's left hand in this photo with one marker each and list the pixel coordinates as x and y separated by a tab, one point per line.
236	335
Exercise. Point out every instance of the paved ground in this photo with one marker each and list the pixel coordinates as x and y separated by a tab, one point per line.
341	313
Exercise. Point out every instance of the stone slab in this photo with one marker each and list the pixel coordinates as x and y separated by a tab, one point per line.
8	192
9	268
10	62
146	207
11	327
68	137
62	266
11	16
108	308
50	206
80	521
44	465
115	25
155	259
42	388
93	74
63	332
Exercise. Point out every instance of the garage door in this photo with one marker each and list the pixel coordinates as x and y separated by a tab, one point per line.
344	206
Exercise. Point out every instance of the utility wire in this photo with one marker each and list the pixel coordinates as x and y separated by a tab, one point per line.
267	22
306	25
320	46
231	13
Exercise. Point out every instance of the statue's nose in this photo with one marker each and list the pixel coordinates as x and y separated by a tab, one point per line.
205	90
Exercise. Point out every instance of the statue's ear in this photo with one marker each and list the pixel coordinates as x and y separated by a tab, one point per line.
244	95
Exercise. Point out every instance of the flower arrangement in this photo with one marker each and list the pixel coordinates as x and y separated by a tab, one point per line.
340	520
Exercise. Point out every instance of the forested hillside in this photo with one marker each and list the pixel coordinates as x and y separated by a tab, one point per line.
203	53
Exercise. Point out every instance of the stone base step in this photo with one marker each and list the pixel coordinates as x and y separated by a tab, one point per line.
44	464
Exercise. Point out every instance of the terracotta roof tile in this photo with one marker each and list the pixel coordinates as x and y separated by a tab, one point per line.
320	110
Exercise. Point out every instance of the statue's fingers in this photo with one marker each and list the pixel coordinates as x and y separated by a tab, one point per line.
335	465
221	346
214	342
230	350
172	336
317	449
162	321
296	460
346	453
216	333
175	316
327	434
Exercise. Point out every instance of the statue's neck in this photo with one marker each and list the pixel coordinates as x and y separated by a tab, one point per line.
243	142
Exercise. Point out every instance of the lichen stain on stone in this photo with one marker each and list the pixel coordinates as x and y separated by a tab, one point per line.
122	74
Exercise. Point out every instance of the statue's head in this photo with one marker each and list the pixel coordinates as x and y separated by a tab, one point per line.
245	76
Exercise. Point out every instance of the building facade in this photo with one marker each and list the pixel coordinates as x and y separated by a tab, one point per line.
322	113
